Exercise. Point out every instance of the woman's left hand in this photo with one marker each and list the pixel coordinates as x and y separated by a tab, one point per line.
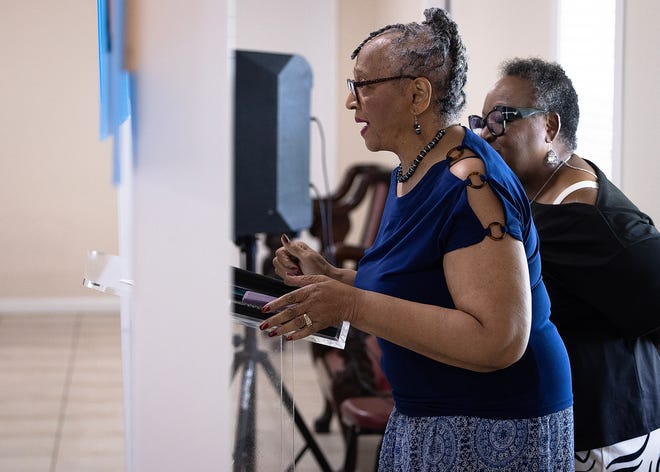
320	302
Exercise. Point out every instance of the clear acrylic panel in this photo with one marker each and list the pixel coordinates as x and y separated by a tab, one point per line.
270	432
103	272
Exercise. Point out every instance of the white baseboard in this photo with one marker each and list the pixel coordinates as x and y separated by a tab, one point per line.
58	305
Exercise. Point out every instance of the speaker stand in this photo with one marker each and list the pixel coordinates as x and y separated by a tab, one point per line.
247	359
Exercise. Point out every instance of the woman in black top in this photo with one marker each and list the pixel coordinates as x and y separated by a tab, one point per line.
600	262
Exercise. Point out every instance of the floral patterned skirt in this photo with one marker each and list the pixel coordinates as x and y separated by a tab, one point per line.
465	443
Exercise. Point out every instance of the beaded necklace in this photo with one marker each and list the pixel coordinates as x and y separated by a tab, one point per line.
413	167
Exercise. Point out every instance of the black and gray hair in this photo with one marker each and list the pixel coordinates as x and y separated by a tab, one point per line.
553	91
431	49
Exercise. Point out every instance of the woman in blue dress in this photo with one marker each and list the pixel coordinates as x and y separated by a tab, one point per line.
452	285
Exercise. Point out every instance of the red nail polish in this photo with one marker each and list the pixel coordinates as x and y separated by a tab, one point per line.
272	333
289	338
265	309
263	326
285	238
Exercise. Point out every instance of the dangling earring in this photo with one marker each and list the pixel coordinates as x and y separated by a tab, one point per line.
417	127
551	158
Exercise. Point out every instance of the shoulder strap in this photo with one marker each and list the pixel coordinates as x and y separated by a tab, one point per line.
572	188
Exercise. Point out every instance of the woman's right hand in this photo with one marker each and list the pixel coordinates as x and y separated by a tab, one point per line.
297	258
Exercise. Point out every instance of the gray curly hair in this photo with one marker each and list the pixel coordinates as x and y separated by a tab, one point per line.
553	91
432	49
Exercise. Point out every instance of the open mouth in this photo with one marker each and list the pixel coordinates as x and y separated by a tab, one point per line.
364	128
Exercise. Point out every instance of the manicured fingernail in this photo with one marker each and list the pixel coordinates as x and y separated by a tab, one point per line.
272	333
265	309
263	326
285	238
289	338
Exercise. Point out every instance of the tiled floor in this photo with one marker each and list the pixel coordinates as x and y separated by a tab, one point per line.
61	399
60	394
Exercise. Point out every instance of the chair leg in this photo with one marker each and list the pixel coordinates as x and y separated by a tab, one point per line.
322	423
351	450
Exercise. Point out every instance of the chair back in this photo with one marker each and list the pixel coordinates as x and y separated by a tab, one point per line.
362	183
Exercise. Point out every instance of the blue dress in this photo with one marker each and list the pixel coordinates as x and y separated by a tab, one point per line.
406	261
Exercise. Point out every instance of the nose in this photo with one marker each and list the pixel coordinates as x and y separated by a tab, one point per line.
487	135
351	102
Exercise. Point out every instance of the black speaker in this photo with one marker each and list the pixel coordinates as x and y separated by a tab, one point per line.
271	143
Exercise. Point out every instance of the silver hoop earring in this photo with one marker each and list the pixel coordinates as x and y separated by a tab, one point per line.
551	158
417	127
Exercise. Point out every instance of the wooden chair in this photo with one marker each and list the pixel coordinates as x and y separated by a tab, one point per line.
351	380
362	183
366	414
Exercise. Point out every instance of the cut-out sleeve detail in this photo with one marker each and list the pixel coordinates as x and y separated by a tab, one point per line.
476	180
496	234
458	153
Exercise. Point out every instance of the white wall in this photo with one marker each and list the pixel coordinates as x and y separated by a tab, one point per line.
640	163
180	341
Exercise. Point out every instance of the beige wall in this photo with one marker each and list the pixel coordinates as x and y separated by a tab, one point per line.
532	20
356	21
312	34
516	28
57	200
56	196
525	28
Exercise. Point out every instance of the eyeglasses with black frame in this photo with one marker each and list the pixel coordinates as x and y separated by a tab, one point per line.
497	118
354	85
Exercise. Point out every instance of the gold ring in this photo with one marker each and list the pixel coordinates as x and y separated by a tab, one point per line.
308	321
